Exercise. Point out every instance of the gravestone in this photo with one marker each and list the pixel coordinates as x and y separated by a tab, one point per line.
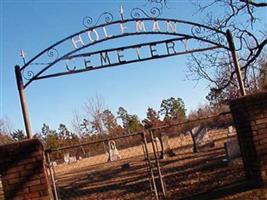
158	144
230	129
202	139
165	146
232	149
72	159
66	158
113	152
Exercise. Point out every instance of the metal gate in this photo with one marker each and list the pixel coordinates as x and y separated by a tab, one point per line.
177	161
111	168
198	158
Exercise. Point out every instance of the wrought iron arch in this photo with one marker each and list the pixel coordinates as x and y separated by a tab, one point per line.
68	48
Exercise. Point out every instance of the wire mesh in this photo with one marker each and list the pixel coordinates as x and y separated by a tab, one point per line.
198	156
105	169
169	162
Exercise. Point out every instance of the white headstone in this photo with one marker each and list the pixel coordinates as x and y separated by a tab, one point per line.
72	159
66	157
113	152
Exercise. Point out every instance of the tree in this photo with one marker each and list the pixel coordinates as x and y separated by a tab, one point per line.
5	130
18	135
262	80
77	124
78	129
85	127
5	126
130	122
152	119
172	109
134	124
109	120
94	108
50	137
123	115
217	67
64	133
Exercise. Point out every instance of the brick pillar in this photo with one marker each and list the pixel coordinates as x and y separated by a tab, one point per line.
23	172
250	117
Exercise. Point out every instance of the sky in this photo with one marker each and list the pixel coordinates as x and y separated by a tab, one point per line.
35	25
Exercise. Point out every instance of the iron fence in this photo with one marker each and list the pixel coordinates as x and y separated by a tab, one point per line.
174	161
111	168
198	156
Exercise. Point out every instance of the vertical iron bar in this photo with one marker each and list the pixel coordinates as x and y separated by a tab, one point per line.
23	101
236	63
150	167
158	165
147	167
52	176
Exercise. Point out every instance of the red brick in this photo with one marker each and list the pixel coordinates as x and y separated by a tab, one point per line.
38	188
11	170
28	160
33	182
23	168
32	195
262	131
19	198
261	121
12	175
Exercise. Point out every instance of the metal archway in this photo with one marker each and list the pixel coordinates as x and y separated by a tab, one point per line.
55	60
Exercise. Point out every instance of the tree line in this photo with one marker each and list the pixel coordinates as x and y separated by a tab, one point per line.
99	122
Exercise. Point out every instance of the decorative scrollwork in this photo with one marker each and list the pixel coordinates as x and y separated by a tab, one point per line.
196	30
108	17
53	53
155	12
28	75
137	13
88	21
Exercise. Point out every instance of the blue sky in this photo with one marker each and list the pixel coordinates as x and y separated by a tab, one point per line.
34	25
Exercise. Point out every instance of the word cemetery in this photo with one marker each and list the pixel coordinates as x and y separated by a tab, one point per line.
135	53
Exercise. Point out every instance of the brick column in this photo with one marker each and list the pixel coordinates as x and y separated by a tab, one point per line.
23	172
250	117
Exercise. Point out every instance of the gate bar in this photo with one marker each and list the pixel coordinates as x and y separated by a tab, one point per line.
150	166
157	163
147	167
52	176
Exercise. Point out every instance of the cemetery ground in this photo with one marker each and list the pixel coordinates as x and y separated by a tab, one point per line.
185	173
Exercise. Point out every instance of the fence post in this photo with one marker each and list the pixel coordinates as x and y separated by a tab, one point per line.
23	102
236	63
